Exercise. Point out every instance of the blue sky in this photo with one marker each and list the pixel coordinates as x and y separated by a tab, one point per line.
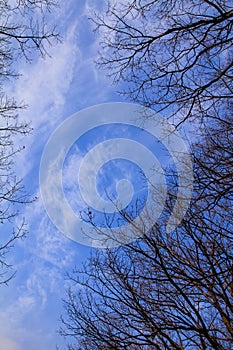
55	88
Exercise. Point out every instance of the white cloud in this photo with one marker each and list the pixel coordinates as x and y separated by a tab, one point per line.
31	305
43	87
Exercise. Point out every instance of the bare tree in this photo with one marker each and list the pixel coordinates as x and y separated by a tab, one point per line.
165	290
173	56
168	290
22	32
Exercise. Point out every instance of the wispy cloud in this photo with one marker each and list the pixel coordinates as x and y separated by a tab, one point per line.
31	305
43	87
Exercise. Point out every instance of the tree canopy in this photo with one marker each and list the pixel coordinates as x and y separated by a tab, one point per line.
171	55
168	290
165	290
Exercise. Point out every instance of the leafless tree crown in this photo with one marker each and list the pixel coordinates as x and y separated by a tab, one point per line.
168	291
